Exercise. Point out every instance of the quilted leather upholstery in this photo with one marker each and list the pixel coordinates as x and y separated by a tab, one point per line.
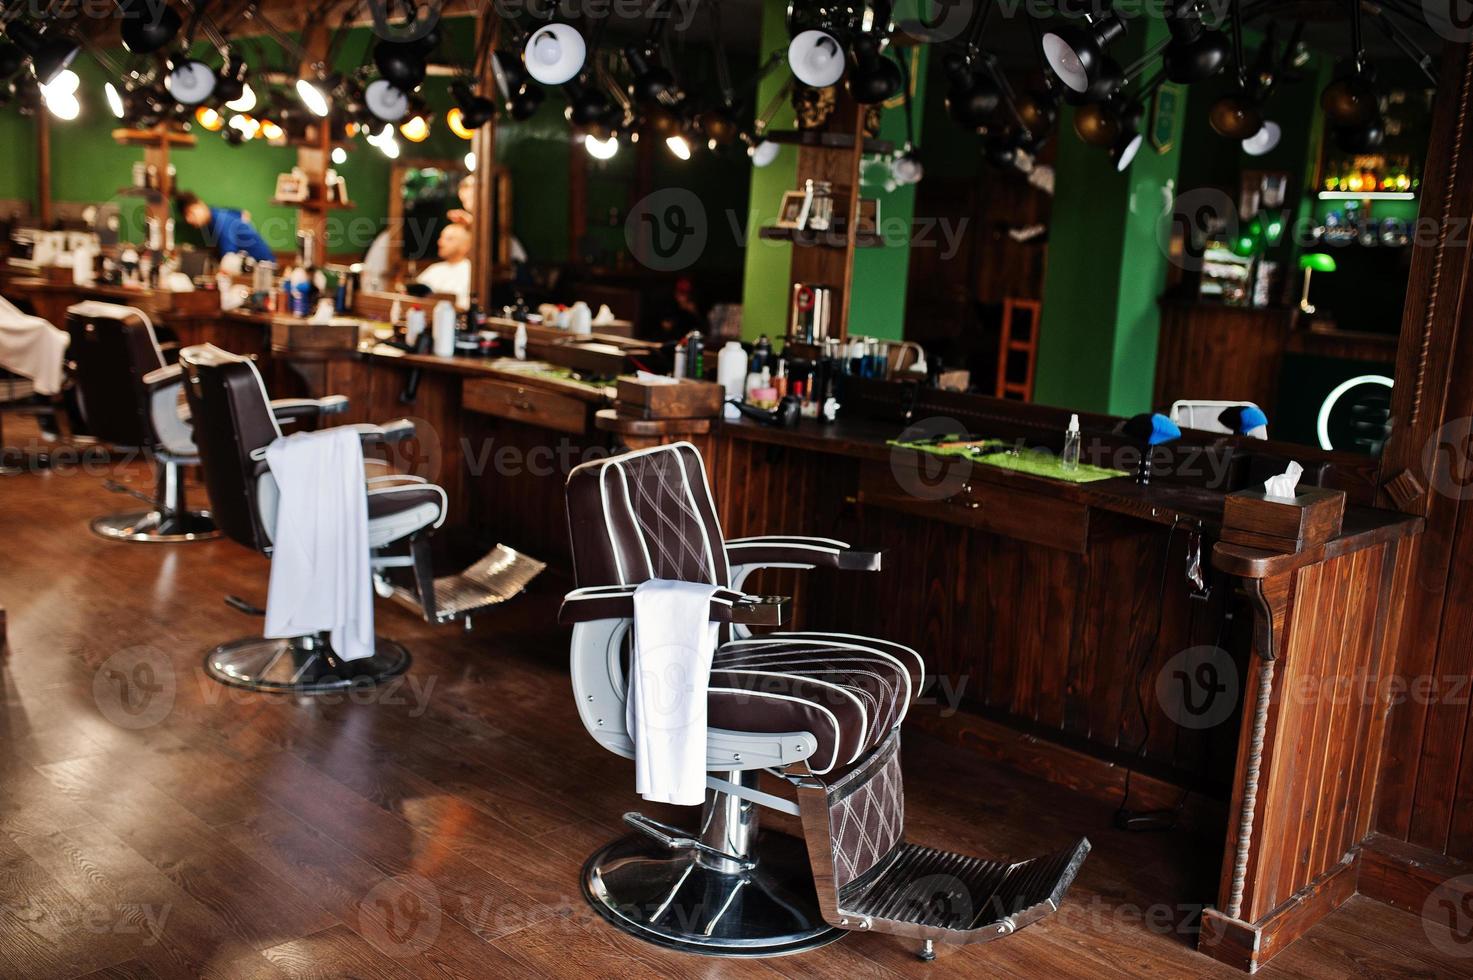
866	814
848	692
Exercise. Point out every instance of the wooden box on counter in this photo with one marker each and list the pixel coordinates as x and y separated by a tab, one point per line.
1254	519
291	333
687	399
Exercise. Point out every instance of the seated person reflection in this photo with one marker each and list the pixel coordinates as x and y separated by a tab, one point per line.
452	274
227	229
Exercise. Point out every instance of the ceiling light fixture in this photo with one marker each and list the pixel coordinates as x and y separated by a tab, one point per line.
1076	55
601	149
555	53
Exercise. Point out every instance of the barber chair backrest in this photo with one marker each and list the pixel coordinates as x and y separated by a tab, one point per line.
645	515
112	348
232	419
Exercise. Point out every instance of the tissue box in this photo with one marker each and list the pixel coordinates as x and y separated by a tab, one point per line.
1256	520
688	399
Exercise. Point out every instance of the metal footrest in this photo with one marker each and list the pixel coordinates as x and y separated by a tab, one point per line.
501	575
870	878
951	897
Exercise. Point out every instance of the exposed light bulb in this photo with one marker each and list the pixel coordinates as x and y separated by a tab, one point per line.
416	129
114	99
65	83
271	131
678	146
455	119
605	149
470	161
339	156
246	102
64	106
547	49
312	97
209	118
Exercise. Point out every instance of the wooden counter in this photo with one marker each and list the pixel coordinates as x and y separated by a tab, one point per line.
1053	615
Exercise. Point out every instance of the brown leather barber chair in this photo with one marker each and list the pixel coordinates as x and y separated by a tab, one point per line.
234	423
820	710
129	398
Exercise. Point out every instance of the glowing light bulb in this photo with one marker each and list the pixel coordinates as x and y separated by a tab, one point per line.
339	156
470	161
678	146
547	49
209	119
114	99
246	102
603	149
416	129
312	97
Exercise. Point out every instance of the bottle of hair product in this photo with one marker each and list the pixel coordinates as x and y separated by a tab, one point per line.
1070	458
443	329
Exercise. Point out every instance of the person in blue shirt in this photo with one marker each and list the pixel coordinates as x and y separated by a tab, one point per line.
225	228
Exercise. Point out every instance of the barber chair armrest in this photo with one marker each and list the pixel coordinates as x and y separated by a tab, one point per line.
307	409
163	377
601	602
796	551
386	434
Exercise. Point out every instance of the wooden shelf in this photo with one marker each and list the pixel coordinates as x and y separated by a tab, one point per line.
823	140
153	137
151	193
314	204
834	238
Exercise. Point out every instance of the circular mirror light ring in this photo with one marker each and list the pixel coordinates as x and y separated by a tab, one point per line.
386	102
1322	424
555	54
190	82
816	58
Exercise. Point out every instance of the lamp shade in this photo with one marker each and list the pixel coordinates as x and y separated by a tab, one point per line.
385	101
402	63
555	53
1076	54
147	27
816	58
1235	116
189	82
1317	262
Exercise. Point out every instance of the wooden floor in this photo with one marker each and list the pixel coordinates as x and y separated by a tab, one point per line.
153	824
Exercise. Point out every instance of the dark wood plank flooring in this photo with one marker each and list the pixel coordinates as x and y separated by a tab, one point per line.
156	825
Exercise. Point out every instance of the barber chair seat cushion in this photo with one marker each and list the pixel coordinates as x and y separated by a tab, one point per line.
848	691
397	507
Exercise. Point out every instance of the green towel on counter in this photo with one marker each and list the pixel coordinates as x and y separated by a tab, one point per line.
1034	462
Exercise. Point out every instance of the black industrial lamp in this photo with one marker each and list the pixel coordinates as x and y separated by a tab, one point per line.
652	80
1195	52
400	62
874	77
1076	55
973	96
470	112
521	96
1128	141
50	53
230	82
1351	100
147	27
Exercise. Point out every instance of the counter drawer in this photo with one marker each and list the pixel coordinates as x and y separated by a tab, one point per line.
971	502
523	403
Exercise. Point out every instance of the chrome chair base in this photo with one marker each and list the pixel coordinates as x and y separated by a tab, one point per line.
302	665
675	898
157	526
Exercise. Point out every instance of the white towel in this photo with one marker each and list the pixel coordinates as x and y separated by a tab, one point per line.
674	641
320	578
32	348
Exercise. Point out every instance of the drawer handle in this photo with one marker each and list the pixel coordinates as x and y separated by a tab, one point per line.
524	405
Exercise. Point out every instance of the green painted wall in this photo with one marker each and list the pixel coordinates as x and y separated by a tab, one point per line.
765	276
17	157
1097	343
881	275
877	301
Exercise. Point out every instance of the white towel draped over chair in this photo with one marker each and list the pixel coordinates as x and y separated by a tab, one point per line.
32	348
320	578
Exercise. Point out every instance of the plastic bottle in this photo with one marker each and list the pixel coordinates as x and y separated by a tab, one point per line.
1070	458
414	324
519	342
731	372
443	329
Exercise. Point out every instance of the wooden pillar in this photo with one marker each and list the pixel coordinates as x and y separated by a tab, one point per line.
43	168
484	239
314	153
